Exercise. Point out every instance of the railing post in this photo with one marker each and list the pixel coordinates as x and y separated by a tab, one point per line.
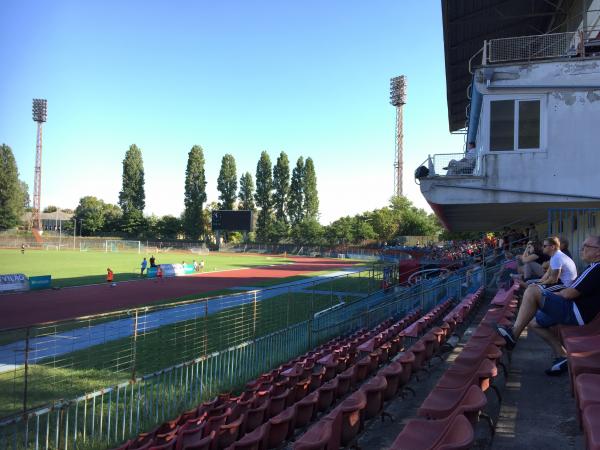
254	317
26	374
134	345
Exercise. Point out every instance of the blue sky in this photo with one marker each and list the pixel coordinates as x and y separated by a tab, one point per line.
310	78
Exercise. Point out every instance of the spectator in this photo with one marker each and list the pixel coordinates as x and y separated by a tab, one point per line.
561	271
564	247
466	165
531	261
196	266
143	267
533	235
577	304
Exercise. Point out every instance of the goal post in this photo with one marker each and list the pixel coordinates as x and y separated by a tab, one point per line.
116	245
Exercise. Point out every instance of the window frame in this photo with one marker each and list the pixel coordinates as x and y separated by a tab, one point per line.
487	116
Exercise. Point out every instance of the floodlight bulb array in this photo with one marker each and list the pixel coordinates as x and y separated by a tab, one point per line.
40	109
398	90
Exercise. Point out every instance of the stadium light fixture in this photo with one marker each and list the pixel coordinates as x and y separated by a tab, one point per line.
398	91
40	109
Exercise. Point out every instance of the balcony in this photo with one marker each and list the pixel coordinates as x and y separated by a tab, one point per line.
451	165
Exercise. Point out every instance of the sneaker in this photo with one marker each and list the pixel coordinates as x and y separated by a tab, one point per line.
559	366
506	333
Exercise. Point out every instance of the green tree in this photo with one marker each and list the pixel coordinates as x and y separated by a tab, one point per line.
195	194
113	217
227	182
246	194
50	209
307	232
11	193
25	194
132	198
169	227
309	190
296	196
385	224
90	215
263	196
281	186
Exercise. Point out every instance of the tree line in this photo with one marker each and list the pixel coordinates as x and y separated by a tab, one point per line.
285	200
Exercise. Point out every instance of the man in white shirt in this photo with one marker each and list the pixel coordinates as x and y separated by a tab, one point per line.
562	270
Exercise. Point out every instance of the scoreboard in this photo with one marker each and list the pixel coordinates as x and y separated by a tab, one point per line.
229	220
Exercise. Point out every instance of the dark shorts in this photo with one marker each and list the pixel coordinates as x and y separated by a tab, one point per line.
557	310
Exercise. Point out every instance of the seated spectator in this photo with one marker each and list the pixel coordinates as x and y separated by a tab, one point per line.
564	247
466	165
542	309
531	261
561	271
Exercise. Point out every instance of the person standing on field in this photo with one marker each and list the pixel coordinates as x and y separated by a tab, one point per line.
143	268
152	261
109	275
22	249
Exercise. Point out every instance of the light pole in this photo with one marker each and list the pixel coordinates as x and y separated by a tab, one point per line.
74	231
398	99
40	108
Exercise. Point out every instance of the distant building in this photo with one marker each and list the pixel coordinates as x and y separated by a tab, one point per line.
50	221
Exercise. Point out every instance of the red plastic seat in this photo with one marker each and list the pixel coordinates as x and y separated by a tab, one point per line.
442	403
255	417
454	432
327	394
407	360
317	437
419	350
590	329
392	374
374	390
576	344
306	410
457	376
301	390
252	441
350	413
228	433
316	379
591	426
362	368
281	428
200	444
587	390
166	446
278	403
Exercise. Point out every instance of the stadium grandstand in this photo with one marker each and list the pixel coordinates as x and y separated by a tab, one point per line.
449	351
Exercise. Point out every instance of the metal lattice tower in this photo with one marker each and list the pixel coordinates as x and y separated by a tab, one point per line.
398	99
40	107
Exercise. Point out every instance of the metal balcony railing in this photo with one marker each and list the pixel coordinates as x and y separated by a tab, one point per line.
527	48
452	164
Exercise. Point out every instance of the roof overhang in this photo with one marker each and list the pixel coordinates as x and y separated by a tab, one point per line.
467	23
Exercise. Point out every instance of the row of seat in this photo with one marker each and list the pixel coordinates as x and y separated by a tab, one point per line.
219	423
450	411
583	355
340	427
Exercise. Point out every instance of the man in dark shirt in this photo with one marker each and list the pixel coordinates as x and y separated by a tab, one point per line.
576	305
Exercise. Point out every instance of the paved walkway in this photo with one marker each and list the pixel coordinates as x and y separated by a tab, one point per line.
13	355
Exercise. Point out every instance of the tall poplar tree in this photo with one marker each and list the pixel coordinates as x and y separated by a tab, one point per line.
281	186
195	194
227	182
309	191
132	198
296	197
246	194
263	196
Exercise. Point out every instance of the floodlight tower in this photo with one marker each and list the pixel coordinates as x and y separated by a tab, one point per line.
40	107
398	99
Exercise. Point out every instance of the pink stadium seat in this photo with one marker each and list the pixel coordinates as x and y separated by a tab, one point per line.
201	444
253	441
392	374
255	417
441	403
278	403
327	394
228	433
316	379
281	428
317	437
306	410
374	390
591	426
419	434
350	411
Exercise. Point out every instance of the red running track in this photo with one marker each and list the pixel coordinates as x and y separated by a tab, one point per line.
30	308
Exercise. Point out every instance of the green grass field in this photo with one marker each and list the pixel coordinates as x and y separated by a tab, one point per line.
73	268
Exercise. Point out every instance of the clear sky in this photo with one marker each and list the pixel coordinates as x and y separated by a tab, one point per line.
307	77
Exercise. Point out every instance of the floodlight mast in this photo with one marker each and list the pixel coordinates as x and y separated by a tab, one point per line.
40	108
398	99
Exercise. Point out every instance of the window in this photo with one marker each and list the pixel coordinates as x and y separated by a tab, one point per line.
502	125
515	125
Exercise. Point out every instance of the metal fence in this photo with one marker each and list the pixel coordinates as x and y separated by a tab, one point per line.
43	363
527	48
452	164
253	339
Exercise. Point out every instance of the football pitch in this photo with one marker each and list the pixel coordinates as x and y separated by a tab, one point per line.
75	268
